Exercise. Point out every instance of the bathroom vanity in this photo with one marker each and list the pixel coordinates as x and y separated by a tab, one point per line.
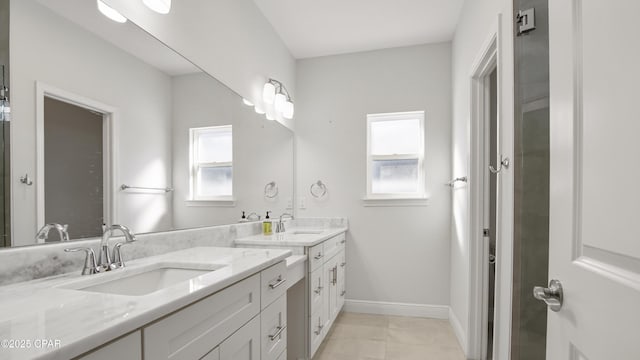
324	286
199	303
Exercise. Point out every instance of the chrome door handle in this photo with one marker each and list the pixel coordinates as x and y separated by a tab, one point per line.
318	290
552	295
279	331
318	257
504	163
278	282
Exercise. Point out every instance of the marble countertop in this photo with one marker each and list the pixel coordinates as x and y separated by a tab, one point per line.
292	237
73	322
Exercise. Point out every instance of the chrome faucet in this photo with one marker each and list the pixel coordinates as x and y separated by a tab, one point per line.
43	233
105	261
280	225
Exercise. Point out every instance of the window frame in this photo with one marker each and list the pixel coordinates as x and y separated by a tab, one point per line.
195	166
422	188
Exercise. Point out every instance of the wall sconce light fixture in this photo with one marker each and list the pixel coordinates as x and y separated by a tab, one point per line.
274	92
110	12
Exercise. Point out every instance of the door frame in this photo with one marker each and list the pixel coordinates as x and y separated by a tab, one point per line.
109	115
485	64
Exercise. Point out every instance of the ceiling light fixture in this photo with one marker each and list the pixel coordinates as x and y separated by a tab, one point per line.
110	12
160	6
274	92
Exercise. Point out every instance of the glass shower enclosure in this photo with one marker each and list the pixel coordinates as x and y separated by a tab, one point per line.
531	176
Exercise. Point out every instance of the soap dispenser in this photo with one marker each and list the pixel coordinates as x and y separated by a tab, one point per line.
266	225
243	219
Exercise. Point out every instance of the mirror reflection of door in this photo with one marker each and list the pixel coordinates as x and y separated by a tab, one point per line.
73	165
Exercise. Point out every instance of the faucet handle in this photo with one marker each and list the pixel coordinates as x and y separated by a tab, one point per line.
116	259
90	266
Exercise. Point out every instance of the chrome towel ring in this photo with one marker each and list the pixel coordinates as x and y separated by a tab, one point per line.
318	189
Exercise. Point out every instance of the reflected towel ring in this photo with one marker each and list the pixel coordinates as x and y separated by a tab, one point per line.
318	189
271	190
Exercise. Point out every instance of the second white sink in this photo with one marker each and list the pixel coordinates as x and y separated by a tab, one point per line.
306	232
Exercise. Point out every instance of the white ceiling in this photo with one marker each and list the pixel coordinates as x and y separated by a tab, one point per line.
127	36
313	28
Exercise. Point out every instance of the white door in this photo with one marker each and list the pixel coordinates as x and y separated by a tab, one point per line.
595	179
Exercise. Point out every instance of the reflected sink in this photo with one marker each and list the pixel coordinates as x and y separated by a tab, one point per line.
306	232
143	283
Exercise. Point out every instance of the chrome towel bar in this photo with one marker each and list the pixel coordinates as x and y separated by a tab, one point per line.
126	187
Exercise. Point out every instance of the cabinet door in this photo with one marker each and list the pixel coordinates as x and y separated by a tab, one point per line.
274	329
244	344
330	302
342	288
212	355
316	290
128	347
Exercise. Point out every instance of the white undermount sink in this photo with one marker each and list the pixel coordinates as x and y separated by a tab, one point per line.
145	282
306	232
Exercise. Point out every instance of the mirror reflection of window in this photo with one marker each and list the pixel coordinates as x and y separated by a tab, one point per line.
212	163
73	159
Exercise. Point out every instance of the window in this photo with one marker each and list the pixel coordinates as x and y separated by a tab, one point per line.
395	156
211	163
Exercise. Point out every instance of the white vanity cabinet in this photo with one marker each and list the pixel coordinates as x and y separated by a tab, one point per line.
127	347
326	287
245	321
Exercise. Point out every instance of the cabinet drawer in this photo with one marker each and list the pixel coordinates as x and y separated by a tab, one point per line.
334	245
316	290
316	257
128	347
194	331
274	329
273	283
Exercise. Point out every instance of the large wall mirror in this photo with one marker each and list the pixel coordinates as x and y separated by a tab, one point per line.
108	125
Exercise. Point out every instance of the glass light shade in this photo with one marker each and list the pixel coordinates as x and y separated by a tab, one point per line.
268	93
247	102
110	12
159	6
259	110
288	110
279	102
270	116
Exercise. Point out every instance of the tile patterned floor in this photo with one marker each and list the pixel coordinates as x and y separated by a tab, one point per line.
378	337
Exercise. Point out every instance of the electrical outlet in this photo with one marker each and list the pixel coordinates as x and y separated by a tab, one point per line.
303	202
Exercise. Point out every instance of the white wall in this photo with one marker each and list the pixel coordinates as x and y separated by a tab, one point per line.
395	254
229	39
262	152
47	48
478	20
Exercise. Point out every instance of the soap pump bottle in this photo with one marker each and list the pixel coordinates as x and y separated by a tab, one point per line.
243	219
266	225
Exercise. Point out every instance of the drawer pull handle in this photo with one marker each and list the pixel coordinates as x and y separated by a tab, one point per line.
343	293
277	334
318	257
318	290
319	330
278	282
343	264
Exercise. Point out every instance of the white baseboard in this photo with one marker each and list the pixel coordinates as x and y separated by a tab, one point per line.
457	329
397	309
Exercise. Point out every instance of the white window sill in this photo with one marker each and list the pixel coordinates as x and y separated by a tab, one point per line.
211	203
397	202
